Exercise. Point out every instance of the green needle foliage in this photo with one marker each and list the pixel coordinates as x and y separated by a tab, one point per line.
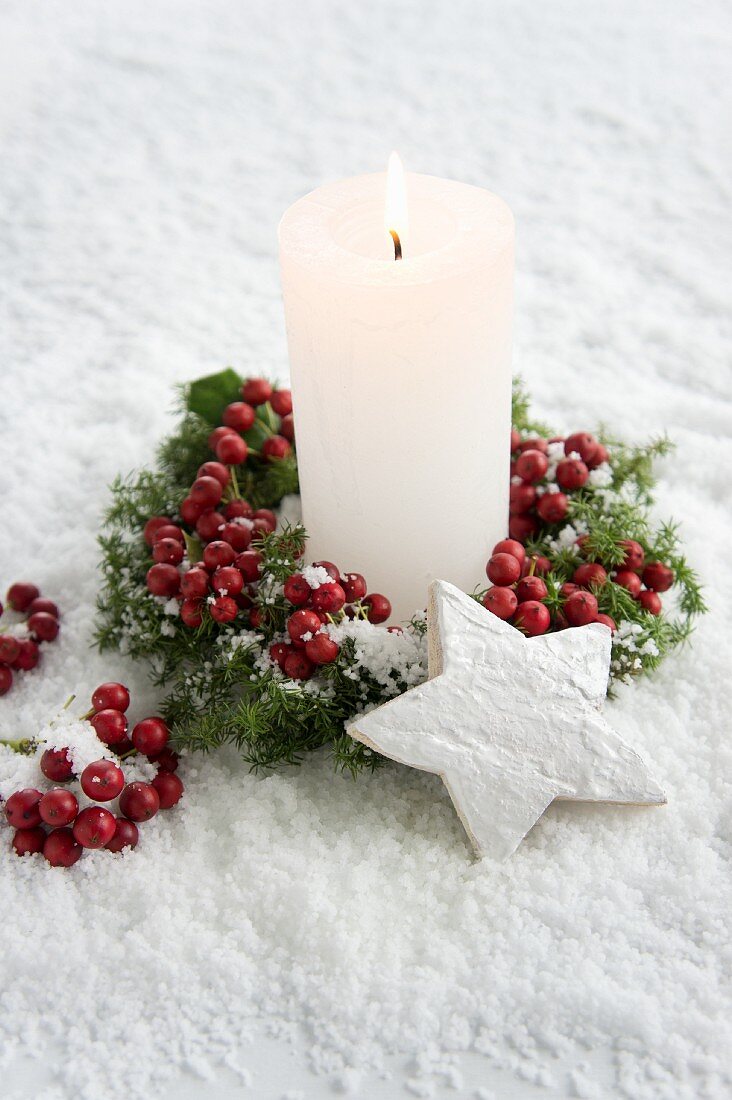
221	687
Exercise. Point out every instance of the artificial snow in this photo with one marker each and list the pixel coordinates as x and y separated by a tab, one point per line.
148	151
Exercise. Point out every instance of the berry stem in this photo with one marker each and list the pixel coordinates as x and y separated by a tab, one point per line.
68	702
23	745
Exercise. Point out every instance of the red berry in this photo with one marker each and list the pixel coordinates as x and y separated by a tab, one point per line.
297	590
329	598
29	655
166	759
21	809
321	649
169	788
150	735
227	581
256	618
521	498
43	626
217	435
572	474
170	531
238	509
331	569
126	835
354	586
216	470
627	579
191	511
607	620
650	601
522	527
275	448
281	402
21	595
634	555
601	455
239	415
6	679
191	612
532	618
510	546
302	622
279	653
580	608
152	526
267	516
61	848
256	391
26	842
589	574
287	428
194	584
568	589
9	649
102	780
249	563
94	827
207	491
223	609
109	725
552	507
163	580
232	450
531	465
658	577
56	765
238	535
168	551
139	801
209	525
297	666
533	444
503	569
42	604
58	807
515	440
111	695
218	554
581	443
530	588
501	601
379	608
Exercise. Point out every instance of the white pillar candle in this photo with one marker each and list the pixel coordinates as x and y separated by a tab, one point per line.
401	379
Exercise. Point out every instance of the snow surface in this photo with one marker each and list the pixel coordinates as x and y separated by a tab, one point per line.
148	151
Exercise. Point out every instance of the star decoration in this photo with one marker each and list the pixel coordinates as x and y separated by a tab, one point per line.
509	723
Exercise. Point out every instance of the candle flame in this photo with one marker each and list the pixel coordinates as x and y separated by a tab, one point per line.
396	219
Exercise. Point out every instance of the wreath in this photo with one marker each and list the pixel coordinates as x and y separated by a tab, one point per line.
255	648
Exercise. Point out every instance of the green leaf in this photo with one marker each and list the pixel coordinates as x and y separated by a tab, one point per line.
194	548
209	396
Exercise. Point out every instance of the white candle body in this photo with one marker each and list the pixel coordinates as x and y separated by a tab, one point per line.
401	380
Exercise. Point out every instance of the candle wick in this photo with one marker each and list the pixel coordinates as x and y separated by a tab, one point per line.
397	244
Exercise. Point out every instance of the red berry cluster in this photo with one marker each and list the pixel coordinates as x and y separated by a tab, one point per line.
23	654
519	590
643	580
221	584
309	644
529	507
53	824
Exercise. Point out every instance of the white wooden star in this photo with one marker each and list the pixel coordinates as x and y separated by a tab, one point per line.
509	723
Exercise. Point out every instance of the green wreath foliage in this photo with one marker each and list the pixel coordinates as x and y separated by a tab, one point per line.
221	688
